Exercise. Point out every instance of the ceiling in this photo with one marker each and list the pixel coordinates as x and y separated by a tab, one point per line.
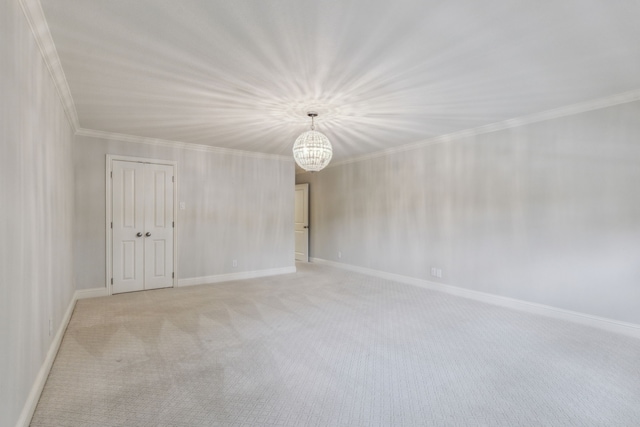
242	74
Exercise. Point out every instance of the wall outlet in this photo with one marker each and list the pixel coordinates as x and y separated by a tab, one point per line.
434	271
339	254
235	263
439	273
183	206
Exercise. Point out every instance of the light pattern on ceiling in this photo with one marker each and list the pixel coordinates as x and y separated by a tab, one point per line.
380	74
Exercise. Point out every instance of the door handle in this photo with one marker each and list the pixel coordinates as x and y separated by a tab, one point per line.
306	226
148	234
139	235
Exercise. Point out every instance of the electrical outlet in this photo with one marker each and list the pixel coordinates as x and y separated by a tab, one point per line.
439	273
183	206
433	271
235	263
339	254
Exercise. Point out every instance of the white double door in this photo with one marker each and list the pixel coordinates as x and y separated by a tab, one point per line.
143	226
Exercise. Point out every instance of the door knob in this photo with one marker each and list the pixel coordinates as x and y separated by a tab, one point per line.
148	234
139	235
306	226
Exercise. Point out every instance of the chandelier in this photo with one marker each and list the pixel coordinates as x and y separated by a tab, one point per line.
312	150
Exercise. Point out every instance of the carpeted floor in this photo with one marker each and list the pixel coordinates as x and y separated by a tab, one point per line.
326	347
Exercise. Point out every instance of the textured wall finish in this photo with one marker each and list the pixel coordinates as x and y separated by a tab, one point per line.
237	207
547	212
36	208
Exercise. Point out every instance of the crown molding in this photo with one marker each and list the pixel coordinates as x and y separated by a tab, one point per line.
39	27
569	110
37	22
176	144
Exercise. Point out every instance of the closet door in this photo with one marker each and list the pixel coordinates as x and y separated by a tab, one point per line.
128	190
158	226
143	224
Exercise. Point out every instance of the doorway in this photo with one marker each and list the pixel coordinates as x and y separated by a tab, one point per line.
302	222
141	229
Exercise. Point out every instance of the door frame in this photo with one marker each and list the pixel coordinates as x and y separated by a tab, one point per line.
109	198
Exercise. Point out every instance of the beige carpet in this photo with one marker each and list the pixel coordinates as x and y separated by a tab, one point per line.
325	347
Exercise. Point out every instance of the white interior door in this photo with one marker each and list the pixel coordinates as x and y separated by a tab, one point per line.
302	222
143	225
158	226
128	226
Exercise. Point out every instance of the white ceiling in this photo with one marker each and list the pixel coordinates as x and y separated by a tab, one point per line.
242	73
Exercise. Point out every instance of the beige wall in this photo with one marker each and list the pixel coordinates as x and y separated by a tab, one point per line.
547	212
237	207
36	208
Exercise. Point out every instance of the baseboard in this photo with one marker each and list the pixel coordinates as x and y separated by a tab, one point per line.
235	276
91	293
36	390
629	329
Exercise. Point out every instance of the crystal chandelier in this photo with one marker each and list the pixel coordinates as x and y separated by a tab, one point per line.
312	150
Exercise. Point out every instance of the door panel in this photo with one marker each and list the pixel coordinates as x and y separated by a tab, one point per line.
129	259
159	197
128	221
159	255
129	192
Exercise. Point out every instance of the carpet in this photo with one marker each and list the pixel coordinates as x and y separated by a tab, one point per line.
328	347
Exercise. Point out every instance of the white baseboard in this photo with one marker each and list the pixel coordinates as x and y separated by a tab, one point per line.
91	293
38	385
235	276
629	329
36	390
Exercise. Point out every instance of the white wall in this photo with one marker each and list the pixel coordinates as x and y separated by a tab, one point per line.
547	212
237	207
36	209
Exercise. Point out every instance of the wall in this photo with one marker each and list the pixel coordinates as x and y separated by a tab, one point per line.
237	207
36	209
546	212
